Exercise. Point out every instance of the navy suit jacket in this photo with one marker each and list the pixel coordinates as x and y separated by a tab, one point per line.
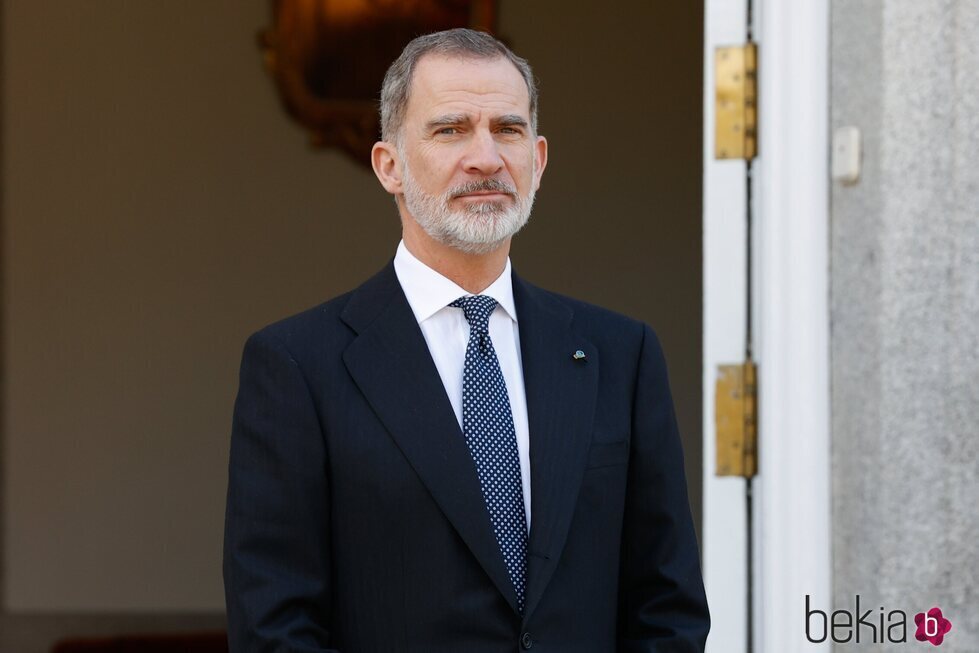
355	521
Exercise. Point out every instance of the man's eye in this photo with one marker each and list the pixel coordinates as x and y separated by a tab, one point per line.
449	131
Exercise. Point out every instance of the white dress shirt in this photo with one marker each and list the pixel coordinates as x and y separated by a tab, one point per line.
446	332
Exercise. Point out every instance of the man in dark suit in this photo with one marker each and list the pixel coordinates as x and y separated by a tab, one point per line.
449	459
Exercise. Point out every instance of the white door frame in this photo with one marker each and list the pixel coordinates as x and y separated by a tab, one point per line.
790	286
725	291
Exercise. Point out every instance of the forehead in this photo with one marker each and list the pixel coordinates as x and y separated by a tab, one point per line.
472	85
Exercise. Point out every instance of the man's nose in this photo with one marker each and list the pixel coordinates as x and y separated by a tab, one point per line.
483	155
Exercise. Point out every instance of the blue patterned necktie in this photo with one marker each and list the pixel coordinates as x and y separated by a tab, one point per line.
487	423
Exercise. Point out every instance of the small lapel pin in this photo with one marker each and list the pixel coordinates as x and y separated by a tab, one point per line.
578	355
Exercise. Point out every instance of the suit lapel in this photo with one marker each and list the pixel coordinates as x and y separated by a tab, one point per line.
561	396
391	364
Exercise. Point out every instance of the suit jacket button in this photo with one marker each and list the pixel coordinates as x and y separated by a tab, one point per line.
526	641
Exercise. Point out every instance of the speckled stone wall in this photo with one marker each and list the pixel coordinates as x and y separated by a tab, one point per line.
905	315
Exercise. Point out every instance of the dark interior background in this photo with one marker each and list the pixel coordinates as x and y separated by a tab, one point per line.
158	206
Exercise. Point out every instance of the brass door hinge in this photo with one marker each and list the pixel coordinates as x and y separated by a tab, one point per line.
735	420
735	102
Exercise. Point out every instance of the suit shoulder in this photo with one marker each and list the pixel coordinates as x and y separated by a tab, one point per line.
588	315
298	331
330	326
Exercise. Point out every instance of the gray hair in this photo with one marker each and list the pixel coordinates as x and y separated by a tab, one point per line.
460	42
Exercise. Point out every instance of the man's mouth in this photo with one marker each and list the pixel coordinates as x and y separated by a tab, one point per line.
485	194
489	189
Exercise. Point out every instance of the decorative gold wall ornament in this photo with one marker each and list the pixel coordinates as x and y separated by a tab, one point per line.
328	58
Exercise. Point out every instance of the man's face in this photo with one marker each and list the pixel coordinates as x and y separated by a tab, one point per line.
470	164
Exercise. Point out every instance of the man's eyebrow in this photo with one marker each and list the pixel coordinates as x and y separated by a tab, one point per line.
511	120
447	120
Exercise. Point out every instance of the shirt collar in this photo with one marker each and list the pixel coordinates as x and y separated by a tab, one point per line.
428	292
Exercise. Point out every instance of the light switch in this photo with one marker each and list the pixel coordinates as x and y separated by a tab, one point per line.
846	155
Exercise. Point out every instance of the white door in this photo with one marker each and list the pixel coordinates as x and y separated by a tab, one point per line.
770	298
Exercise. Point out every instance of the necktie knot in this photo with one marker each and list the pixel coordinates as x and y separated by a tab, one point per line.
477	309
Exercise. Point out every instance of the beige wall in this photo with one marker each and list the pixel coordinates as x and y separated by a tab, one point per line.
158	206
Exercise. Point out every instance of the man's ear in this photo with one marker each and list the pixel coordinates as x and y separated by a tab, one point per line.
387	166
540	159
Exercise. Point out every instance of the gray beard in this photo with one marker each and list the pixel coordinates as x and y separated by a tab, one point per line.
480	227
